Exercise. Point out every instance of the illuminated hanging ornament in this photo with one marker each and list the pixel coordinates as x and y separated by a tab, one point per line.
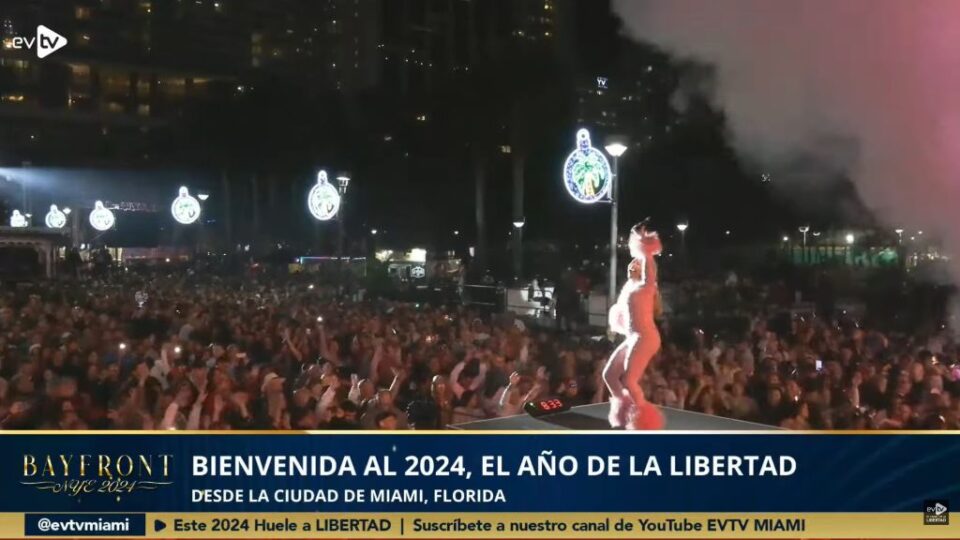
586	173
323	199
55	219
101	218
17	219
185	208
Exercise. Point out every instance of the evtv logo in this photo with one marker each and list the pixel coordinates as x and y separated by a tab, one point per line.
46	41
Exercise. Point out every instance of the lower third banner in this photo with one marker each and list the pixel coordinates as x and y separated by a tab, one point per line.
456	484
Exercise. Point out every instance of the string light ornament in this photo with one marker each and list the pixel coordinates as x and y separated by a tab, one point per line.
185	208
323	201
586	173
55	219
18	220
101	218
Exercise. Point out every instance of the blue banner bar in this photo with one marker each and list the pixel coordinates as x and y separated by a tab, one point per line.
459	472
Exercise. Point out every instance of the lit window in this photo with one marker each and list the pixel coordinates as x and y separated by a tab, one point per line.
81	13
80	74
115	84
172	86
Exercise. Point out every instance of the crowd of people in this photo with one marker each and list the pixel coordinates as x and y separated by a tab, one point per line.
196	350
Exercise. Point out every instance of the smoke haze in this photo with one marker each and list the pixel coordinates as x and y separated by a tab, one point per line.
870	88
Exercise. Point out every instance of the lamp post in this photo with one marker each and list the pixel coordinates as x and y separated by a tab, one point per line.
616	149
899	236
518	253
682	227
205	240
849	238
343	181
804	229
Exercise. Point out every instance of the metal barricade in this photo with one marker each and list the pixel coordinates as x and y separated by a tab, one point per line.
490	297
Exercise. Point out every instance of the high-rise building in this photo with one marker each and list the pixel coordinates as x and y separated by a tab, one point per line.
424	40
330	43
124	77
634	98
132	68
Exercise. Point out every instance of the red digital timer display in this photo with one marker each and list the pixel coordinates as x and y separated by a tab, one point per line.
545	406
551	404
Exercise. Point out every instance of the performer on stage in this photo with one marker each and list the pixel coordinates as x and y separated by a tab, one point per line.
633	317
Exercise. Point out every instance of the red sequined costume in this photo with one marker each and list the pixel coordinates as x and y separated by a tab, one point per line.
633	317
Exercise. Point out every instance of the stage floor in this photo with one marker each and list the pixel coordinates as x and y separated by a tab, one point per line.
594	417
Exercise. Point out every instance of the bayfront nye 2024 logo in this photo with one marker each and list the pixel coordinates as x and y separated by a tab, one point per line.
82	474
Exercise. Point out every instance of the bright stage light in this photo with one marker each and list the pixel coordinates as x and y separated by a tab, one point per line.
586	173
101	218
323	201
185	208
18	220
55	219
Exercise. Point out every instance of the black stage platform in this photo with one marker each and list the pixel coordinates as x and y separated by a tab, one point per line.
594	417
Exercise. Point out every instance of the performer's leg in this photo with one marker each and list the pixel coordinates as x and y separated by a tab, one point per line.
646	415
613	378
